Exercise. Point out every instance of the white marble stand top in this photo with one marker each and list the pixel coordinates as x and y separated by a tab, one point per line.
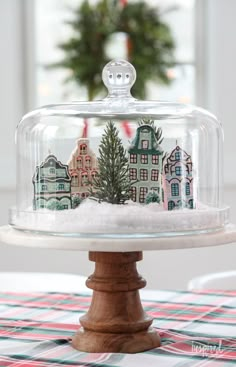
16	237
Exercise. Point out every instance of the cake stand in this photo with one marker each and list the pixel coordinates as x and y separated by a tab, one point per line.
116	321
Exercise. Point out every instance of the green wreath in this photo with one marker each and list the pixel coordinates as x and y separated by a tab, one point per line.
150	43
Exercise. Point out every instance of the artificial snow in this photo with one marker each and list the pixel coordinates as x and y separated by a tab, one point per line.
104	218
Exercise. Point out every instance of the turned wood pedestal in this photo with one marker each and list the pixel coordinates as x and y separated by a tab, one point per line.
116	321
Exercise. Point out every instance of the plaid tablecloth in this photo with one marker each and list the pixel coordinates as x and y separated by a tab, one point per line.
197	329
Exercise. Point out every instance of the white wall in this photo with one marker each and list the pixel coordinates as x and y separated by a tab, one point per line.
170	269
11	85
217	72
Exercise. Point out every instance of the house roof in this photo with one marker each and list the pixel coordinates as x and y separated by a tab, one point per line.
185	160
184	156
53	162
155	148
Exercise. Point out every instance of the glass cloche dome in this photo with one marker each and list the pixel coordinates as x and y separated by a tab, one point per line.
119	167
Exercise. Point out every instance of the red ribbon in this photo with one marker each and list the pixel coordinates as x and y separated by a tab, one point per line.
127	128
125	124
85	129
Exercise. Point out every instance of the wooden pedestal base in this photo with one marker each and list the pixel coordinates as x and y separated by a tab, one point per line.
116	321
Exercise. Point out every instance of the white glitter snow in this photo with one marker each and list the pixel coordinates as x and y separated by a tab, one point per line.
92	217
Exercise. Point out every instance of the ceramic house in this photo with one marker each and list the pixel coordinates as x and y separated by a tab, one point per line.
145	164
52	185
83	168
178	180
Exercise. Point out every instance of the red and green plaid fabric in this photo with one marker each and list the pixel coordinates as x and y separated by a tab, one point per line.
197	329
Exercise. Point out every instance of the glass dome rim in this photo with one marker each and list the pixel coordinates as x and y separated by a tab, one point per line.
110	108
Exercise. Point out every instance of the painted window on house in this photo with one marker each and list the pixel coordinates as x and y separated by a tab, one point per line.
88	162
177	156
155	159
84	178
133	193
133	174
142	194
61	186
171	205
133	158
44	187
79	163
143	174
175	189
52	171
154	175
190	203
41	203
145	144
74	180
144	158
178	171
187	188
94	174
83	149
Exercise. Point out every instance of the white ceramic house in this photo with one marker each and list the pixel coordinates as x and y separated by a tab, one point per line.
178	180
52	185
145	164
82	167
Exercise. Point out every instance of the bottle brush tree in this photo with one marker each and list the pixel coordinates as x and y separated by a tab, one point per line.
76	201
54	205
152	197
112	184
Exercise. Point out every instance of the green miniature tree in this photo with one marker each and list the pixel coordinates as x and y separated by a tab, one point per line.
54	205
112	184
152	197
76	201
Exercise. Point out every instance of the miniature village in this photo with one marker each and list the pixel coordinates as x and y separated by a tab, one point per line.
144	174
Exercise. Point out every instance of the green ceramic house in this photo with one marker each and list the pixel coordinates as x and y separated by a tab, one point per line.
52	185
145	164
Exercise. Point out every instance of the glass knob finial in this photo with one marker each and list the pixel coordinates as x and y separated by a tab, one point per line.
119	77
